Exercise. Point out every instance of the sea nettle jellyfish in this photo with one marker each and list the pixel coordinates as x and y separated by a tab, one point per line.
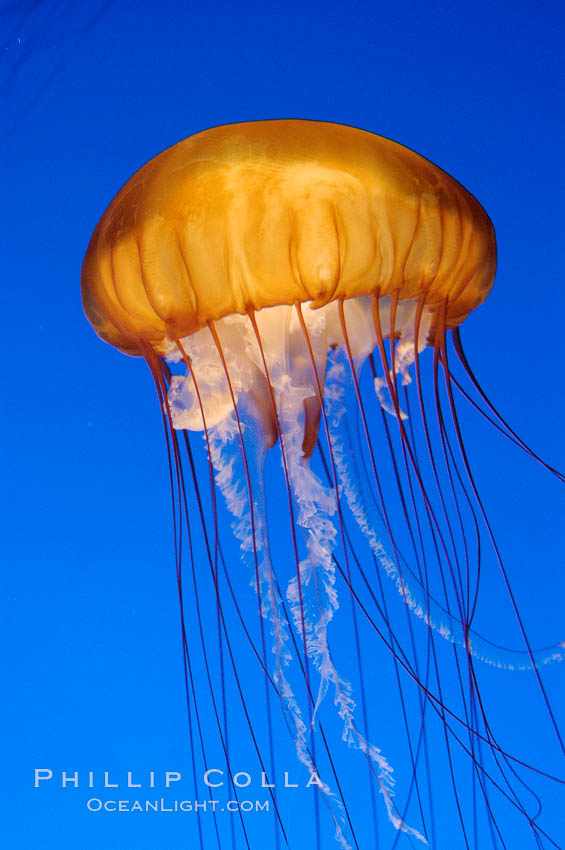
296	289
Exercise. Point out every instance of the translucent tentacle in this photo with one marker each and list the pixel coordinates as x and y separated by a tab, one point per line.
340	402
314	609
231	481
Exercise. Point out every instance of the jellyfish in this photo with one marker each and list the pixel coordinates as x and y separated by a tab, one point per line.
297	289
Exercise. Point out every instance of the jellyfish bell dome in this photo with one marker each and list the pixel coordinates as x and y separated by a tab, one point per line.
257	218
247	216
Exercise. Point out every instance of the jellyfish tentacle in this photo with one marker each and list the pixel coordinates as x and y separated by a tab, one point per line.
237	444
317	519
340	403
305	387
501	425
476	706
471	723
277	380
362	504
316	506
178	490
529	649
291	710
418	332
448	715
230	480
319	373
253	534
161	375
207	435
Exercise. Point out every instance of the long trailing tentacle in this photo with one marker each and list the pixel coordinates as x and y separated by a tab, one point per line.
343	692
339	398
445	528
238	477
496	419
